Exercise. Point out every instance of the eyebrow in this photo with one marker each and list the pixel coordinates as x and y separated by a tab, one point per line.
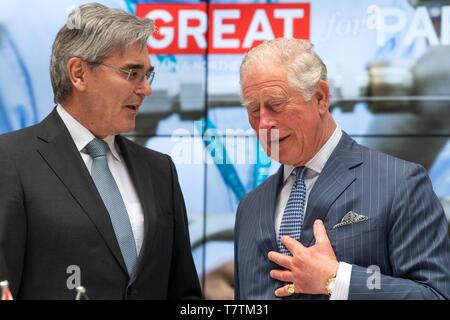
251	104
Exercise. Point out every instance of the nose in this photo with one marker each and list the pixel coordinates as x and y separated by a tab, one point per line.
266	121
144	89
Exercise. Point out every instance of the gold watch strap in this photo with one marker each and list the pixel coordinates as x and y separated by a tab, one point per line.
330	284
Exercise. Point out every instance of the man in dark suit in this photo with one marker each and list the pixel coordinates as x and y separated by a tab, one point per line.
80	204
338	220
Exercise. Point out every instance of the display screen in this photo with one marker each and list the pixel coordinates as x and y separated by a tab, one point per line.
388	69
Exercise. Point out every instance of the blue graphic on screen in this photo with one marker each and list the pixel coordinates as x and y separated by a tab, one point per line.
26	97
226	169
18	107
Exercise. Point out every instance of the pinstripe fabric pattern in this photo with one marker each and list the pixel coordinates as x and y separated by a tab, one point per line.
110	194
405	235
292	221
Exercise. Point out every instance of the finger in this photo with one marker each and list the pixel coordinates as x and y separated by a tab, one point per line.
320	233
291	244
283	292
280	259
282	275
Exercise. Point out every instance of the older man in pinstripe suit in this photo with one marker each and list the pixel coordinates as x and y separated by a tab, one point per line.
338	220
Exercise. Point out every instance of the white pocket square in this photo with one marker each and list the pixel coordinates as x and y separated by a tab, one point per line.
349	218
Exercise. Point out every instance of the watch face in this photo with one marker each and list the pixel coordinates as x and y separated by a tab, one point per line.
330	285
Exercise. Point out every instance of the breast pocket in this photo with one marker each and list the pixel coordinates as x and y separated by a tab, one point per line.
357	242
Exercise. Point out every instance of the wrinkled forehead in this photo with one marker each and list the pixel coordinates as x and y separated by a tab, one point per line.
264	85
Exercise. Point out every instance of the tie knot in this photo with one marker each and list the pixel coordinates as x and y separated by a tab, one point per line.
97	148
300	172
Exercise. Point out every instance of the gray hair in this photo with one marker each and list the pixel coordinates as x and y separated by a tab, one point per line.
304	66
93	33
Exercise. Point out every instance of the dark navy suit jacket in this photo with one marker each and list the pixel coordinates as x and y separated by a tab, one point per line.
405	235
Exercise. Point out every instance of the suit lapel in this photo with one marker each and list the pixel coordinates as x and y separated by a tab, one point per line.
58	150
140	173
334	179
266	207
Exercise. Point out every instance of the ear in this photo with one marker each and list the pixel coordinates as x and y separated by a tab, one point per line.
77	73
323	96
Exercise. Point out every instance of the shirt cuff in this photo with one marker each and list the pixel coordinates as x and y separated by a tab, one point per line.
342	284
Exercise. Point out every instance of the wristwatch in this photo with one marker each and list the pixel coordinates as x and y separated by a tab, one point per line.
330	285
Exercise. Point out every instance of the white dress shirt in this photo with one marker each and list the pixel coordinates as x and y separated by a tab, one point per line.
82	136
314	168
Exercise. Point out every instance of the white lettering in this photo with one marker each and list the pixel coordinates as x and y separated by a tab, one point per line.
379	21
421	26
288	16
185	31
219	28
166	32
259	20
445	26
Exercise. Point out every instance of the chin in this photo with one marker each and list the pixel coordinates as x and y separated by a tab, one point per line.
281	160
126	128
286	159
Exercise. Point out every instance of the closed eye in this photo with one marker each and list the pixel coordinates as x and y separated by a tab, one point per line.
254	111
276	105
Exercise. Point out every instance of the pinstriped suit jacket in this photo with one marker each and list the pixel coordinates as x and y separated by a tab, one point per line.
405	235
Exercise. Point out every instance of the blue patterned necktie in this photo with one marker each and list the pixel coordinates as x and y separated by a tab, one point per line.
292	221
110	194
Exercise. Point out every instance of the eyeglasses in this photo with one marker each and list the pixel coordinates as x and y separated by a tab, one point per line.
135	76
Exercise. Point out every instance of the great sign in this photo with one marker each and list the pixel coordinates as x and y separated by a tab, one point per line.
230	29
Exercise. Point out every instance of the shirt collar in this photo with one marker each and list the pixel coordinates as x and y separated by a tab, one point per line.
317	163
81	135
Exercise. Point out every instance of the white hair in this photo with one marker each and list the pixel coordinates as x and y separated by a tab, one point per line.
93	33
304	66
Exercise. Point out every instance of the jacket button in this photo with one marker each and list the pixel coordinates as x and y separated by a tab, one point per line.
131	291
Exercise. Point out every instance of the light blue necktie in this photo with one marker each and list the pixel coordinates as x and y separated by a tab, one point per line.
292	221
110	194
